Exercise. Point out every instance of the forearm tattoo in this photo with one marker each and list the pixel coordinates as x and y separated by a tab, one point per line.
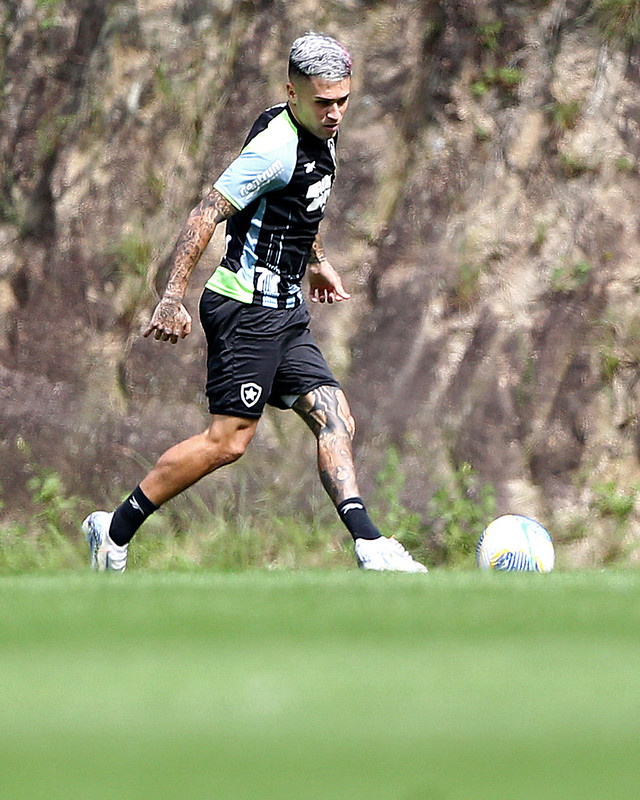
326	412
317	251
193	239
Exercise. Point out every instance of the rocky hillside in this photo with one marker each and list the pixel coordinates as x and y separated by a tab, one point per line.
486	218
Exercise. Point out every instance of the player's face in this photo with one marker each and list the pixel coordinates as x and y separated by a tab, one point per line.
318	104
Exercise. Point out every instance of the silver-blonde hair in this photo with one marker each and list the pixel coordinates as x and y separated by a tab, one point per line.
320	56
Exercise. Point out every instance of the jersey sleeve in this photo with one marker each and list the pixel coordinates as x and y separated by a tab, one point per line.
266	163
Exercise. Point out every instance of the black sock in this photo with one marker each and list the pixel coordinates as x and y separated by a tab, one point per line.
354	515
129	516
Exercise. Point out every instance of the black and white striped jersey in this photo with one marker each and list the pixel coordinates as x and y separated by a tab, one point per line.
280	184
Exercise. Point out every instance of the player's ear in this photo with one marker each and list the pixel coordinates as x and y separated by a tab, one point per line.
291	92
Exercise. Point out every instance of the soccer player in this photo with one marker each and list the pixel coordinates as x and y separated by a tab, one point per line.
259	347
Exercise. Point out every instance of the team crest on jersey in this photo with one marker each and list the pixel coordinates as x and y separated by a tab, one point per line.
250	393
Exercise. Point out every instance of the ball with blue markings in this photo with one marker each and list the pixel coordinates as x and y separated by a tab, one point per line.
514	543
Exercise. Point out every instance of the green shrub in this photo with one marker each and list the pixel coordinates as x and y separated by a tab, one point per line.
565	115
47	537
390	513
625	164
507	78
609	365
461	512
615	508
608	501
619	21
489	34
133	253
569	276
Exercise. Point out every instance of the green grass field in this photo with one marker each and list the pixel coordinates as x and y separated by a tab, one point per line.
320	685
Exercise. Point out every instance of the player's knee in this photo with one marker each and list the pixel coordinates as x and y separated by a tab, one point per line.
226	446
234	450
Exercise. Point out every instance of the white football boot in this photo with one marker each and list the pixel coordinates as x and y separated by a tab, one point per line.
106	555
386	553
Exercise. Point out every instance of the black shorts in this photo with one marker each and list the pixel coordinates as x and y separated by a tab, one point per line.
258	355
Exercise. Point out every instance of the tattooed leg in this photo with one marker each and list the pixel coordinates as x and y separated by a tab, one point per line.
326	412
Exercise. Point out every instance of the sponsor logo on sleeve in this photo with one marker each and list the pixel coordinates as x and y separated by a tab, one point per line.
252	186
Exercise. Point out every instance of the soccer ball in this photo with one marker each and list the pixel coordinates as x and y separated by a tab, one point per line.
515	544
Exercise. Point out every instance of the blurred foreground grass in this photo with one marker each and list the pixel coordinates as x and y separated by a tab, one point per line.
320	685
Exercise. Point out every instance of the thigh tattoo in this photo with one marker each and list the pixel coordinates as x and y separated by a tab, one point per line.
325	410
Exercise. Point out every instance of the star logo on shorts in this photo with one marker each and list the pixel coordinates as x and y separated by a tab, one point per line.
250	394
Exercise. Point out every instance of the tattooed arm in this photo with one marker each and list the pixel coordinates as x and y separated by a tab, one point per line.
325	285
171	319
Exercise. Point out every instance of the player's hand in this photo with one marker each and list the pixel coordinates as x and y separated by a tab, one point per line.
325	285
170	321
